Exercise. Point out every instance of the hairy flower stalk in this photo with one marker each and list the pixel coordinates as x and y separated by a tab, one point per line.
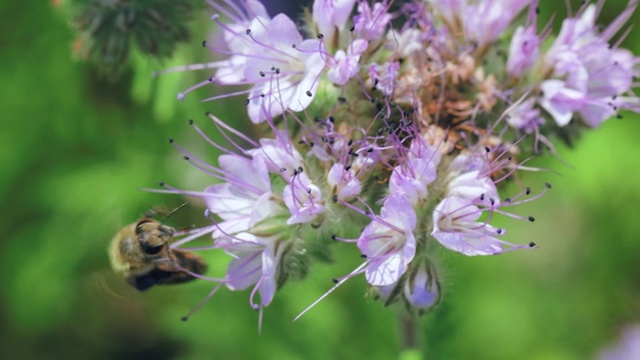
393	139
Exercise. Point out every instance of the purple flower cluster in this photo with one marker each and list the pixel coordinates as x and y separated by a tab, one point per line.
395	139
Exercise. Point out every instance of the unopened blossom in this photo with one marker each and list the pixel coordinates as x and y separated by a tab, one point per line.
303	199
344	64
422	288
525	116
279	155
523	51
483	21
384	75
344	181
416	173
330	16
371	22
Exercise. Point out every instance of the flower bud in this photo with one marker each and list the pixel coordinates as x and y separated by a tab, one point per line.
422	288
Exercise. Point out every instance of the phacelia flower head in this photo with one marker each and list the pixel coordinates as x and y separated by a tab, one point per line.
392	138
589	74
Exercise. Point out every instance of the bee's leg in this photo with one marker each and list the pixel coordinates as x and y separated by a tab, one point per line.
161	211
154	212
179	259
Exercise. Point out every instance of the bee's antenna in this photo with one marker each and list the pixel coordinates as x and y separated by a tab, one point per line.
176	209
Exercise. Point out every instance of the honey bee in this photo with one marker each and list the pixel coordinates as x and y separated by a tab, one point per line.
141	252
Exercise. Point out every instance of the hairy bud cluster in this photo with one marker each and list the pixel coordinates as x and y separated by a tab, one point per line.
107	29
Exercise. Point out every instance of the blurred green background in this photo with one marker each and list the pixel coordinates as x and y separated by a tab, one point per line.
77	150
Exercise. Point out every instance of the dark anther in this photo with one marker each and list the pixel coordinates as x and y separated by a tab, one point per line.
309	93
335	198
487	149
499	231
210	78
277	70
335	280
547	185
481	197
295	172
532	244
293	46
161	183
618	116
207	113
363	256
246	102
374	100
367	212
537	10
170	141
320	36
248	31
333	237
283	170
492	201
350	142
342	100
370	150
300	169
301	142
332	119
309	191
507	200
347	168
527	190
509	157
261	95
532	219
184	318
186	158
204	43
312	144
352	28
190	121
261	73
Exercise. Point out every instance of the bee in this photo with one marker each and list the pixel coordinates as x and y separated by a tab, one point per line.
141	252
